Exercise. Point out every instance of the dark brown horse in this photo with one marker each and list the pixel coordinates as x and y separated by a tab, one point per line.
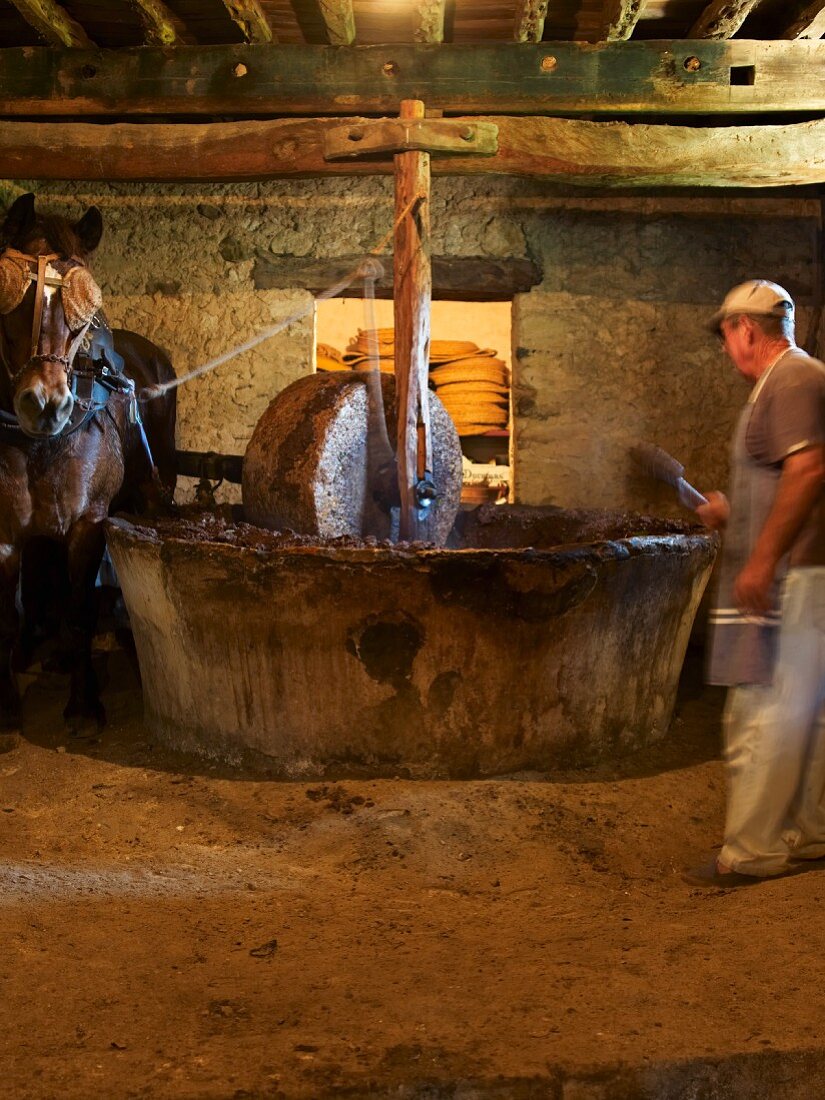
72	444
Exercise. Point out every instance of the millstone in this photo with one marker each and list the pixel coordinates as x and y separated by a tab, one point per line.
307	465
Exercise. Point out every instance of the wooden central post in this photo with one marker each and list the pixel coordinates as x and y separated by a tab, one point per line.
413	292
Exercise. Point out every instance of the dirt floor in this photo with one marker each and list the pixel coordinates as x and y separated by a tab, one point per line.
169	930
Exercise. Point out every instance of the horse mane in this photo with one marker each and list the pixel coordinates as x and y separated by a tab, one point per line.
58	233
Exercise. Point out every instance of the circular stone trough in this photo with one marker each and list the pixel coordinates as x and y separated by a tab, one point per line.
551	638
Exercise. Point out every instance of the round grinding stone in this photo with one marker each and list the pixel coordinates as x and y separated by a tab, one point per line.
306	467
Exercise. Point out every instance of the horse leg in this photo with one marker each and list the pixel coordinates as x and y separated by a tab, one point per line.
85	545
42	586
9	695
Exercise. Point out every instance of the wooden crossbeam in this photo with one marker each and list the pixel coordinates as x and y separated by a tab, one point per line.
339	20
615	78
604	154
250	17
529	20
619	18
428	21
722	18
810	23
466	278
54	23
160	24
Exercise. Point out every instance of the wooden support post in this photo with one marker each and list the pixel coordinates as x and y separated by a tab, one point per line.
413	288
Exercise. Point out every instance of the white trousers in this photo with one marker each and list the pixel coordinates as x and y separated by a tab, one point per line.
775	743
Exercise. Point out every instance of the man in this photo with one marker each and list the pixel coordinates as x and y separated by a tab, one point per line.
768	640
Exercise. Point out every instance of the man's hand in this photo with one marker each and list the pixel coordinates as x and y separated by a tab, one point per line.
751	590
715	513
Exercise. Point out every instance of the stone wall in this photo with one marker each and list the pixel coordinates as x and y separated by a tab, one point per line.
607	350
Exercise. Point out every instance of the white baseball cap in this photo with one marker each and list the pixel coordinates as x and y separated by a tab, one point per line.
757	296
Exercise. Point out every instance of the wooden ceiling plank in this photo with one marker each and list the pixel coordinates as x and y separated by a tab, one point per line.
250	17
160	24
810	23
339	20
529	20
428	21
722	18
593	154
619	19
617	78
54	23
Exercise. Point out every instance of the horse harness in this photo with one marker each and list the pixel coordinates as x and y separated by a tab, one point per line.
94	370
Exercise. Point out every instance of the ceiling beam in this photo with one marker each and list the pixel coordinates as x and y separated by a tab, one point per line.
722	18
54	23
428	21
529	20
619	18
617	78
466	278
810	23
250	17
160	24
339	19
603	154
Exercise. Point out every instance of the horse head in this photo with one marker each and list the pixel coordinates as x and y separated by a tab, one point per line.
48	299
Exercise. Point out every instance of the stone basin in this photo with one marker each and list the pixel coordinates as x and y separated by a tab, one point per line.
555	639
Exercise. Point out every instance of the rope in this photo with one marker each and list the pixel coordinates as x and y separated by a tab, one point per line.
366	270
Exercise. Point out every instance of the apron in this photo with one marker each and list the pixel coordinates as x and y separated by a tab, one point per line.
743	647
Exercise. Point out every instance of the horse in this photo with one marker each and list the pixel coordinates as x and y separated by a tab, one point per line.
73	444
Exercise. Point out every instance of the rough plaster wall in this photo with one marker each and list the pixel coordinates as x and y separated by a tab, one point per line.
608	349
611	349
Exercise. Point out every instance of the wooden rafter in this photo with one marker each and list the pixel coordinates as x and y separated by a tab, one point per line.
160	24
250	17
339	19
612	154
810	23
624	78
619	17
722	18
428	21
529	21
54	23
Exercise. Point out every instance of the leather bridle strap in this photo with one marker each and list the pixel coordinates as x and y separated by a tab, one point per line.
39	295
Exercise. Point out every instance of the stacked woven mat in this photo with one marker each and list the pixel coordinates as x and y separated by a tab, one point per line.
472	382
328	358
